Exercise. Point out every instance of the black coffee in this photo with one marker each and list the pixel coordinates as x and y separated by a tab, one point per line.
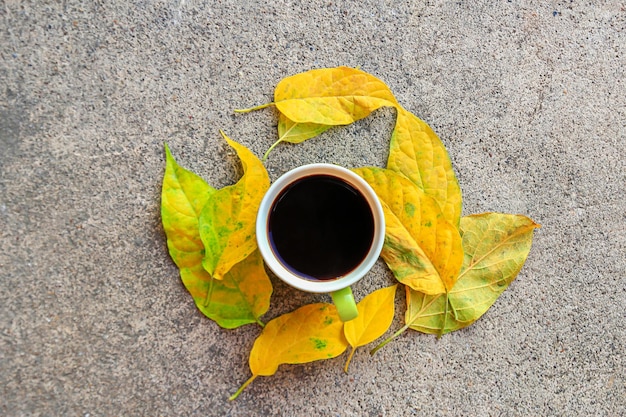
321	227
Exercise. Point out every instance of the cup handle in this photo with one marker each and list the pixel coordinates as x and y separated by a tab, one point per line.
346	306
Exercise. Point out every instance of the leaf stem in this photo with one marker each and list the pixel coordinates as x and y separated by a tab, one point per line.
262	106
390	338
265	155
445	318
240	390
345	368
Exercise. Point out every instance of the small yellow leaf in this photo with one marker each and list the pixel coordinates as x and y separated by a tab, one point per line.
422	249
331	96
376	313
292	132
312	332
416	152
227	221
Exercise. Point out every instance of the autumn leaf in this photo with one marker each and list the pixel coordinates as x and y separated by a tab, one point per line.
183	196
496	247
312	332
311	102
376	313
227	221
416	152
422	249
243	296
331	96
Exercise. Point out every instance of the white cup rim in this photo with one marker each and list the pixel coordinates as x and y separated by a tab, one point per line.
288	276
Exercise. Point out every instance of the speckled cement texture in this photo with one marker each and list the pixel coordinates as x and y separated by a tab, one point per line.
529	98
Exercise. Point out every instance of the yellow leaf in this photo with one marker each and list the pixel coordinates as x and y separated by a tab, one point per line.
331	96
496	247
183	196
227	221
376	312
422	249
312	332
416	152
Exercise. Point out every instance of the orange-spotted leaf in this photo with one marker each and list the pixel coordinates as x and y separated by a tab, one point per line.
227	221
312	332
376	313
416	152
422	248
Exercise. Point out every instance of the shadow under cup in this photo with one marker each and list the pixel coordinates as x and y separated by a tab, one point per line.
320	228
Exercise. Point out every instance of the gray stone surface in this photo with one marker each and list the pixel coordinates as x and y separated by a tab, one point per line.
528	96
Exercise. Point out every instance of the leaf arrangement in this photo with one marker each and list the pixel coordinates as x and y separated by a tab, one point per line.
453	268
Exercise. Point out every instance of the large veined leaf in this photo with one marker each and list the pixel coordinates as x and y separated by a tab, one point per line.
416	152
422	248
183	196
227	221
243	296
310	333
496	246
311	102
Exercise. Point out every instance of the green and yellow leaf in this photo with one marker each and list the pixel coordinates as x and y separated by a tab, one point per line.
292	132
182	197
496	247
422	249
227	221
243	296
376	313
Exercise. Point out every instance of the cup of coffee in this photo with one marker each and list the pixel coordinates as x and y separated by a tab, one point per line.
320	228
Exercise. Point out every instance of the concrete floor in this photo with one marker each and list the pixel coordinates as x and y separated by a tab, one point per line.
529	98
